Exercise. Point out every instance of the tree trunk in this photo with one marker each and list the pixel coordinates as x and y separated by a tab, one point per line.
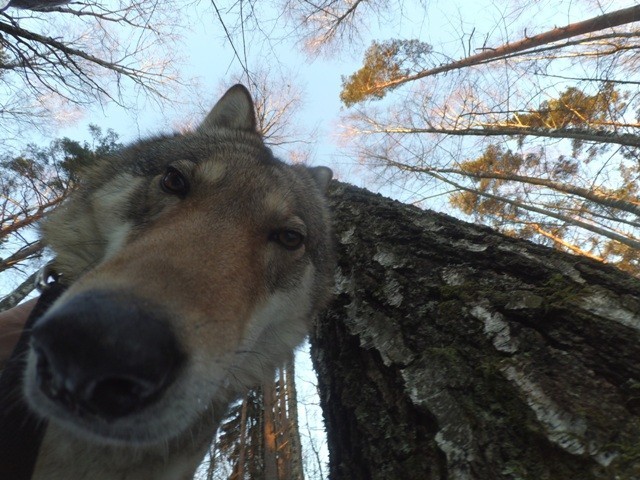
19	293
242	454
293	433
270	449
453	352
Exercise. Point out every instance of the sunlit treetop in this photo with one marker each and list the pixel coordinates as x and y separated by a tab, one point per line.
384	62
575	108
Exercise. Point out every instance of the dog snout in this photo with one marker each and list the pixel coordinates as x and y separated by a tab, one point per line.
105	354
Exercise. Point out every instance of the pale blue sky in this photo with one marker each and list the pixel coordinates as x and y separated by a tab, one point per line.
207	58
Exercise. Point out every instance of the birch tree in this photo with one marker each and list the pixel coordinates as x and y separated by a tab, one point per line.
453	352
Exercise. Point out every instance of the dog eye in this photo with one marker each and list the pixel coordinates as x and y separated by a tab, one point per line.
174	182
289	239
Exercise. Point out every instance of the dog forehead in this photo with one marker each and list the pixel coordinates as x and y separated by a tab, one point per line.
244	175
210	172
256	174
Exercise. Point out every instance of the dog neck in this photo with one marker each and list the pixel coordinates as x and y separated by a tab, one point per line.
64	456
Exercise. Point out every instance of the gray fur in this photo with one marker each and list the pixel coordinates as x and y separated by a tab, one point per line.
220	246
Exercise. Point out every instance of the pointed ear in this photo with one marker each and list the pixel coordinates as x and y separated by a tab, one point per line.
234	110
322	176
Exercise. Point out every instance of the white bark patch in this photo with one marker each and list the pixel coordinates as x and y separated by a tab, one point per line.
428	224
564	429
427	386
347	236
565	268
496	329
470	246
602	304
569	271
378	332
458	459
453	277
375	329
342	283
392	293
386	259
392	287
604	458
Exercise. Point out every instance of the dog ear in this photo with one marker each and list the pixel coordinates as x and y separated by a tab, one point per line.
234	110
322	176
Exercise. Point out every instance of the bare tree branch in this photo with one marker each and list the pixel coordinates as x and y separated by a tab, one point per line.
26	252
631	242
593	195
589	135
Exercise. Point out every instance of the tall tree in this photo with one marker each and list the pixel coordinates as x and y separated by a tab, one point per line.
31	185
388	76
553	115
325	27
260	437
454	352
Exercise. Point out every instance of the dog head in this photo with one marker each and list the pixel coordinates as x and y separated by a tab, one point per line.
195	263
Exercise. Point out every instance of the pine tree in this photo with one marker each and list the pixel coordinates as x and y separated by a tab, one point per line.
31	185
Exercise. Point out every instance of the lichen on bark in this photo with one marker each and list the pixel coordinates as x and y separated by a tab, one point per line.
453	352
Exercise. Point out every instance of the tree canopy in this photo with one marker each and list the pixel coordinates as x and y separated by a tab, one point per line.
31	185
537	137
59	58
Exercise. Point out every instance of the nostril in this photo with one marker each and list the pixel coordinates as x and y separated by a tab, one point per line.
110	396
119	395
46	380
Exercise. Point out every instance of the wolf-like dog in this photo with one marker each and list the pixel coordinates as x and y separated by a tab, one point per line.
194	263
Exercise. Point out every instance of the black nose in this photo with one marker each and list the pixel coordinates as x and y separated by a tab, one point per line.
106	354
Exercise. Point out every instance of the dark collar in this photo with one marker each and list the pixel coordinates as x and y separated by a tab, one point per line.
21	431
